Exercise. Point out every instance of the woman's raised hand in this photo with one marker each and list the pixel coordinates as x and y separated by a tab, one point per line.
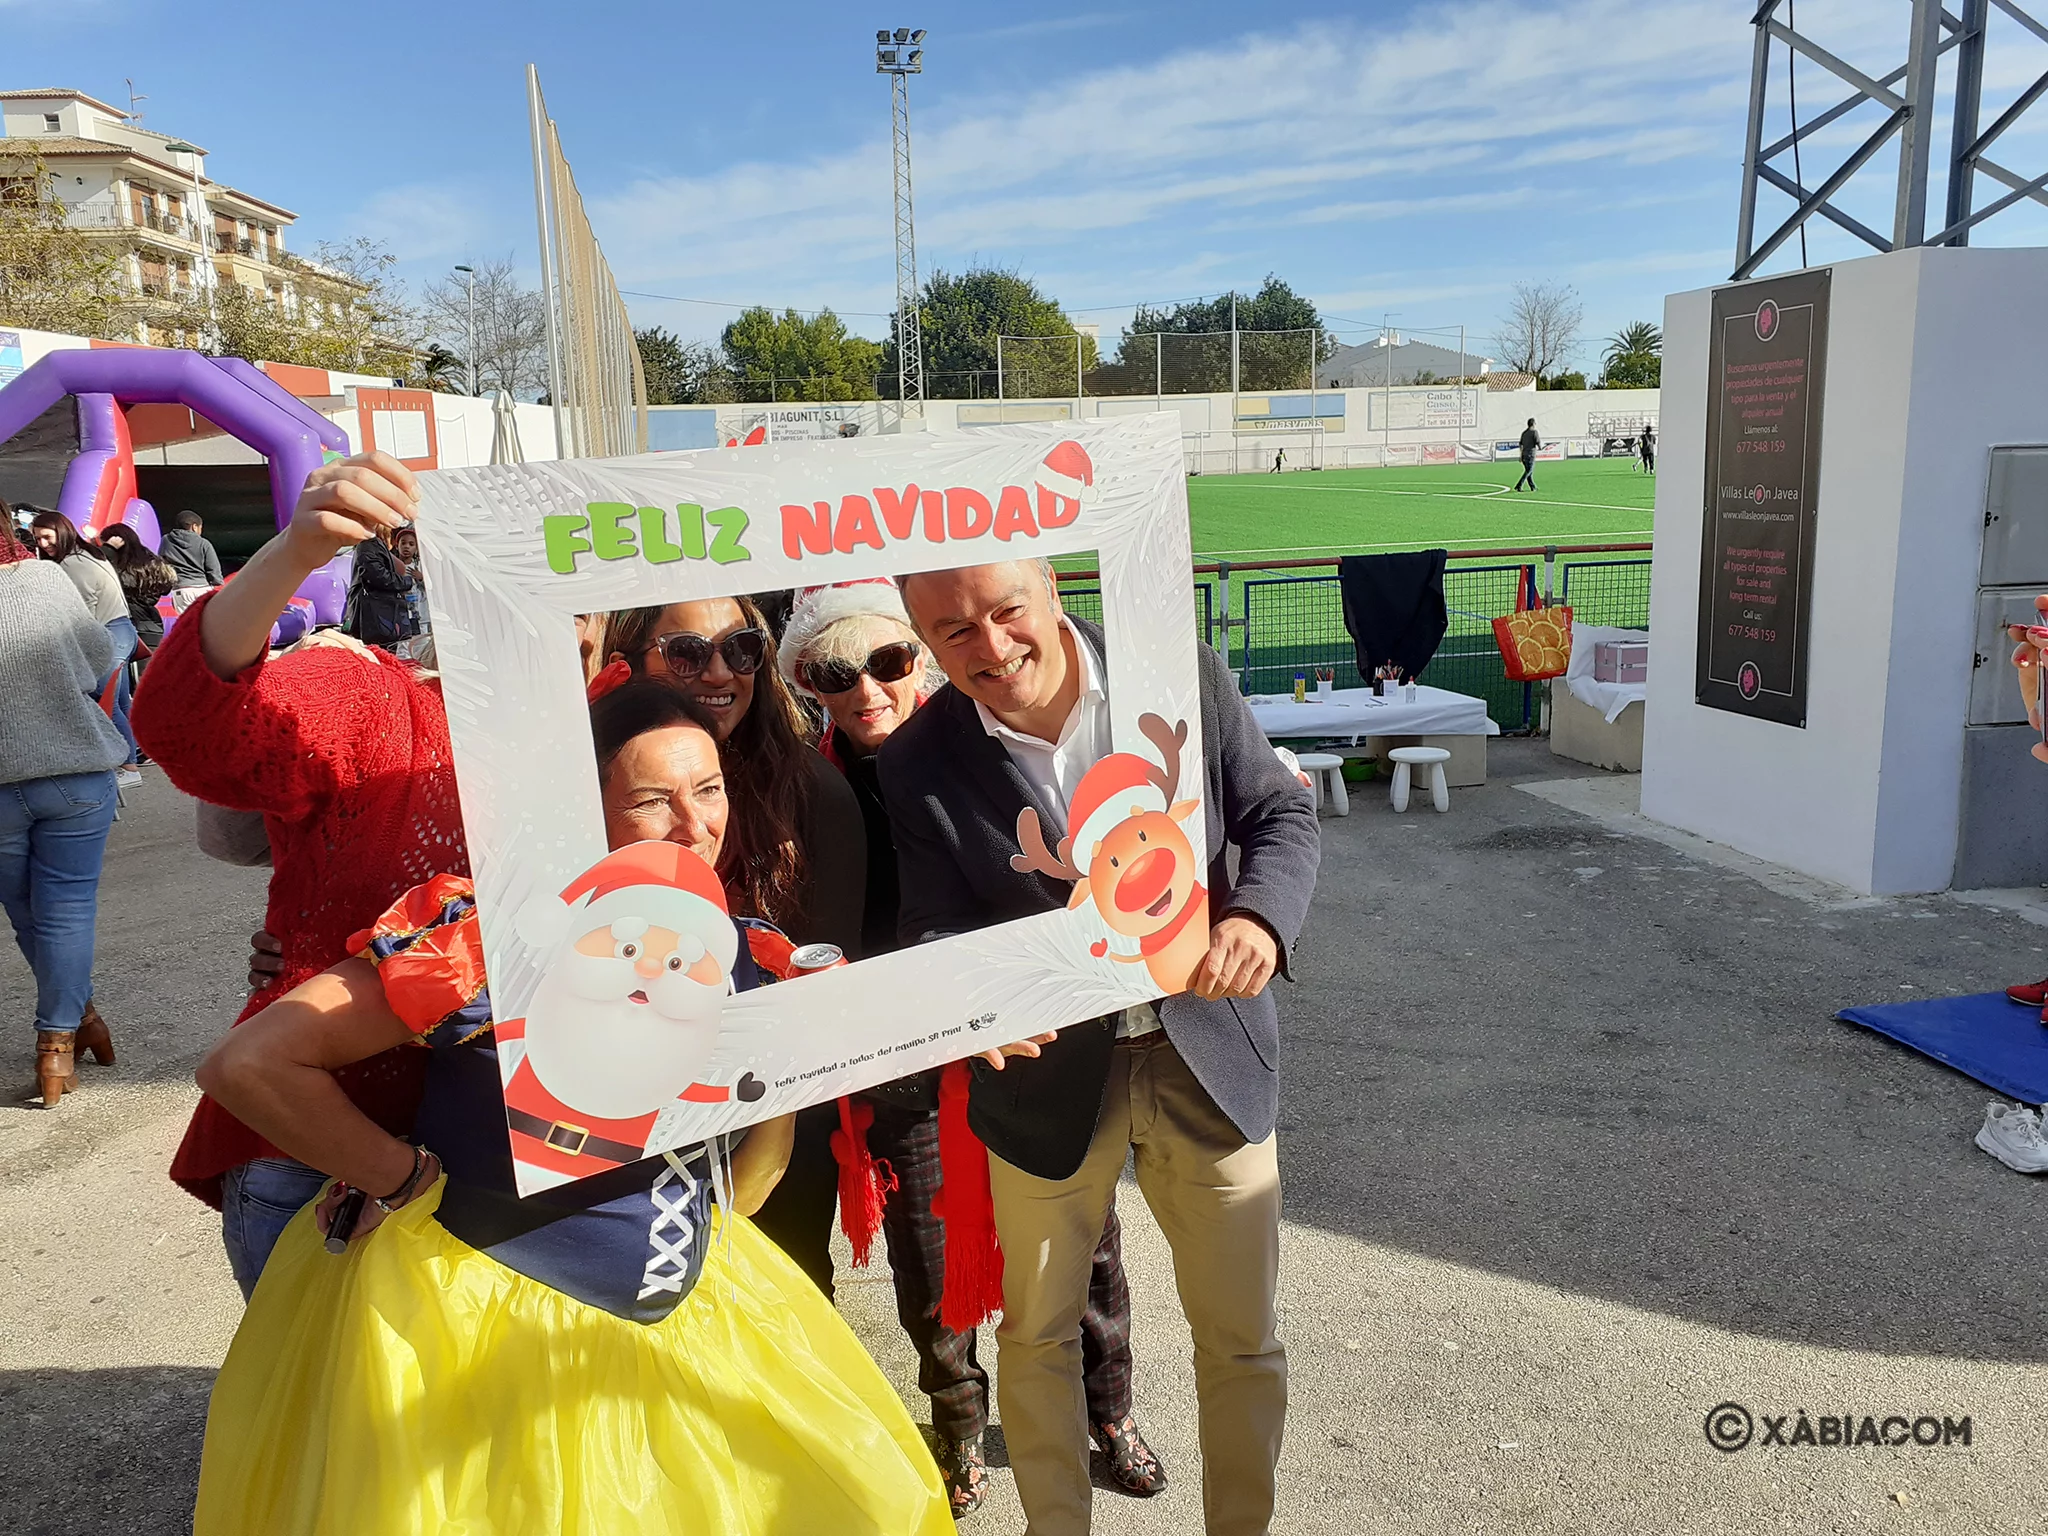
348	501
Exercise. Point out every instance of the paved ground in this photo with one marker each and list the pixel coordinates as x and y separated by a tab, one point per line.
1574	1152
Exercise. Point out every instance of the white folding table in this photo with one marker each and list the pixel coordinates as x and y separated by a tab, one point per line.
1438	717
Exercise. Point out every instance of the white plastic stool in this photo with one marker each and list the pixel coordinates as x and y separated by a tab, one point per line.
1325	771
1432	758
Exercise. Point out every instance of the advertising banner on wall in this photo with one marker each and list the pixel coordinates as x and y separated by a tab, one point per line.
611	968
802	423
1767	355
1405	410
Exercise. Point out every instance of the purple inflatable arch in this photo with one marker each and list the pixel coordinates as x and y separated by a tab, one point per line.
230	393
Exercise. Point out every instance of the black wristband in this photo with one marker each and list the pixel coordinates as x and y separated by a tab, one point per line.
419	1164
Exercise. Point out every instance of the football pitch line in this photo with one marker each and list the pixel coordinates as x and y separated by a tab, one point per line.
1488	495
1508	541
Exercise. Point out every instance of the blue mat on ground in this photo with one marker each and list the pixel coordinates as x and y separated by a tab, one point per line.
1999	1043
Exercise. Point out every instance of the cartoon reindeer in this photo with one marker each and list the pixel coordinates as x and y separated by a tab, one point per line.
1128	854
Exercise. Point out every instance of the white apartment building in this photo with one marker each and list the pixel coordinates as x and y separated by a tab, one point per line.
177	227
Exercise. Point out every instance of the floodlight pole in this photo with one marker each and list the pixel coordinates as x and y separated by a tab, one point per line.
899	55
1001	413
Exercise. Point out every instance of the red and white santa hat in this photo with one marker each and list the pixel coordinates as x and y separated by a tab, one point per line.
817	609
662	884
1067	471
1109	793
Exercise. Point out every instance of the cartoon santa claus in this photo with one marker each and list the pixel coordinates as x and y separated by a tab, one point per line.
641	951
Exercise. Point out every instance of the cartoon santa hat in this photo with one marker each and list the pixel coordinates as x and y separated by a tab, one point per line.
1108	794
817	609
661	884
1067	471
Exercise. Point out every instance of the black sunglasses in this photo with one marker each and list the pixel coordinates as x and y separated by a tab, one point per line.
885	664
687	655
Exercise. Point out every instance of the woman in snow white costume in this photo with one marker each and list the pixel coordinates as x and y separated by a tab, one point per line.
624	1352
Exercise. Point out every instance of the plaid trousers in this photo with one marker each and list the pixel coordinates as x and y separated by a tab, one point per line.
948	1371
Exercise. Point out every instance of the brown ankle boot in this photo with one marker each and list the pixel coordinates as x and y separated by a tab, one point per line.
94	1038
56	1071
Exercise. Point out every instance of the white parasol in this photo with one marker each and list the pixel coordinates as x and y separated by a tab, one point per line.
505	431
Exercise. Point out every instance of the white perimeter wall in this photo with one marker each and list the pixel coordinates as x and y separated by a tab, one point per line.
464	427
1206	420
1933	356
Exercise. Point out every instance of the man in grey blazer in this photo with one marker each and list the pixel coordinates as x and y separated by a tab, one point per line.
1190	1085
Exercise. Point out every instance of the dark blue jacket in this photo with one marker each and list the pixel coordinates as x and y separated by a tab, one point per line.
953	796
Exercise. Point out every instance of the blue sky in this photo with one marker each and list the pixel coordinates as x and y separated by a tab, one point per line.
1414	158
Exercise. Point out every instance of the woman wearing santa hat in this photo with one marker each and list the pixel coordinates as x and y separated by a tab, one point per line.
851	648
624	1351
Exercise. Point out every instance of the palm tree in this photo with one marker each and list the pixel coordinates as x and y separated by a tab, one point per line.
1633	357
441	370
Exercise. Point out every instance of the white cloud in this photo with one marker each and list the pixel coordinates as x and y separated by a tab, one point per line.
1423	164
428	222
1045	27
1466	106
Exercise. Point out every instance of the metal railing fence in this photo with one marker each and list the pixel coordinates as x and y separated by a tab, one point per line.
1275	618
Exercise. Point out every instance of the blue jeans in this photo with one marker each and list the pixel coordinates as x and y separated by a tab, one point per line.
53	835
122	631
256	1201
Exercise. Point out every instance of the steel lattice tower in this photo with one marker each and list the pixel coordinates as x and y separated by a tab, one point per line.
899	55
1908	99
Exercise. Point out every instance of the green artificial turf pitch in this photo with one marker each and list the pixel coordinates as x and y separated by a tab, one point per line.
1307	513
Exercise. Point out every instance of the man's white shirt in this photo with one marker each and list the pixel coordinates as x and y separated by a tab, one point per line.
1055	768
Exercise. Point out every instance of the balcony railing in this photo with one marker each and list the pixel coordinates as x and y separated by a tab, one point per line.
174	225
227	242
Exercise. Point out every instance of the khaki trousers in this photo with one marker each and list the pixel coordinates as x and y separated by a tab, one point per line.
1218	1201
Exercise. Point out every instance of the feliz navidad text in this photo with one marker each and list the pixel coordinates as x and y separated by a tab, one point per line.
617	530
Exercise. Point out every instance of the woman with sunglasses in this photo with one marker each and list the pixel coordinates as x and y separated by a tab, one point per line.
851	648
795	855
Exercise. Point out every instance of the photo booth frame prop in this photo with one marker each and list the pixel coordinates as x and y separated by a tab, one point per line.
513	552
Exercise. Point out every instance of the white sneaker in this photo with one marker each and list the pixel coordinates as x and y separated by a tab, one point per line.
128	777
2012	1134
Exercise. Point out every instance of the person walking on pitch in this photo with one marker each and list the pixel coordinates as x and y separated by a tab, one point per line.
1530	443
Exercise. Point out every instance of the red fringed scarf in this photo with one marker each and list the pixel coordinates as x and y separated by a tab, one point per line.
865	1183
973	1290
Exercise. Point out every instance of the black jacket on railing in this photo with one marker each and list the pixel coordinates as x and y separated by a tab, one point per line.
1394	608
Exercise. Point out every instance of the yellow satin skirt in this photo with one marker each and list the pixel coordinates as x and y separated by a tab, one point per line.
416	1385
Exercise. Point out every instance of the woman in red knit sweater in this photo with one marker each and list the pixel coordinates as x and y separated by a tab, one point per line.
346	757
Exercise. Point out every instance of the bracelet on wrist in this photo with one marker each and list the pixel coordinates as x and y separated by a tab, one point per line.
391	1202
